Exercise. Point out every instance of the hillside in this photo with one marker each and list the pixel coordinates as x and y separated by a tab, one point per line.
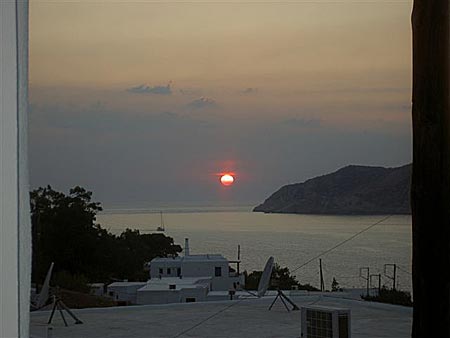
352	190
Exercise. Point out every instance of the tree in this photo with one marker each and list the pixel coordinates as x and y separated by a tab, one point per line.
430	189
281	278
335	285
65	232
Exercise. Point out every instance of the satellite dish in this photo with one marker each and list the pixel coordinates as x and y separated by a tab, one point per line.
43	296
265	278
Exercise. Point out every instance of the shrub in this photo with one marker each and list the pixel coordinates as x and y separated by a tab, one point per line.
389	296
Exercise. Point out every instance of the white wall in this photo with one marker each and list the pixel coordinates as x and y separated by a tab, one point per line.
193	268
125	292
147	297
198	293
173	265
158	297
197	269
15	234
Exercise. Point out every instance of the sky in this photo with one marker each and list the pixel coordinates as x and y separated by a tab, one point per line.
145	102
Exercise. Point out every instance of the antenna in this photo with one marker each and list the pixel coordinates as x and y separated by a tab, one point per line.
322	284
265	278
43	295
367	277
264	284
379	281
394	277
238	258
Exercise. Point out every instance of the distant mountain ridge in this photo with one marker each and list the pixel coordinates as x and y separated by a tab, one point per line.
352	190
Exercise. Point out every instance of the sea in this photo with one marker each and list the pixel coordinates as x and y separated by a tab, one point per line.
295	241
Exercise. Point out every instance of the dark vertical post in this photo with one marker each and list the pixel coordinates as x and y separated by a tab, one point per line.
368	281
238	258
430	188
322	285
395	277
379	283
367	278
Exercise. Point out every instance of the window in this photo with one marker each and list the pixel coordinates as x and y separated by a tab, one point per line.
178	272
190	299
161	271
168	271
218	271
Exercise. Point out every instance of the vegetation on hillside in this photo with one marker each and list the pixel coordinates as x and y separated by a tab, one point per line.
352	190
281	278
65	232
81	300
391	296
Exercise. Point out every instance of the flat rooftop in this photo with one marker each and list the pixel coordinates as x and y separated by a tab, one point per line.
157	284
191	258
124	284
242	318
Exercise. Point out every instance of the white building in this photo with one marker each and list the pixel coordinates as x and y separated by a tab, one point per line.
223	277
189	278
97	289
174	290
124	291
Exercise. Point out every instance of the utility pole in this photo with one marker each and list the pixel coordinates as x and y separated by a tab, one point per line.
366	277
322	284
394	277
238	258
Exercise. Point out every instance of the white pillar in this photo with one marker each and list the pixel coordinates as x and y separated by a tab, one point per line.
15	229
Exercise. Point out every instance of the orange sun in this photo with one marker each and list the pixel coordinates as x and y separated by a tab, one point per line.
227	179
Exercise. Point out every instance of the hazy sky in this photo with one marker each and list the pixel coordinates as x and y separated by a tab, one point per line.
145	102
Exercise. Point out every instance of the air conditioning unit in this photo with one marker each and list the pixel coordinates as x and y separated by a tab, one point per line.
325	322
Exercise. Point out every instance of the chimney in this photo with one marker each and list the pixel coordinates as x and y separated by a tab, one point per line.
186	246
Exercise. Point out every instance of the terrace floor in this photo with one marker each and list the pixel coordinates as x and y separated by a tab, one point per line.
238	318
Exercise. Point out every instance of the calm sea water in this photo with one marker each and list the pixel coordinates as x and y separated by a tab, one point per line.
291	239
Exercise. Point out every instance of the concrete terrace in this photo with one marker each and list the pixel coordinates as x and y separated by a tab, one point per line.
242	318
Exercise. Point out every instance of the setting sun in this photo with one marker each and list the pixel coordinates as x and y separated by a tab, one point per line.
227	179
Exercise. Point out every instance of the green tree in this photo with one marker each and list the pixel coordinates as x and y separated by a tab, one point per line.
281	278
65	231
136	249
335	285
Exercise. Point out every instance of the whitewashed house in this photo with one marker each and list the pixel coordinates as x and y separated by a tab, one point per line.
97	289
223	277
124	291
174	290
189	278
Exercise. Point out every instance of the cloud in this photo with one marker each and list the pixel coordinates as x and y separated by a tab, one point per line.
144	89
202	102
83	118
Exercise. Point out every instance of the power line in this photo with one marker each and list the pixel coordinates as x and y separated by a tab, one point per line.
401	269
342	243
299	267
208	318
